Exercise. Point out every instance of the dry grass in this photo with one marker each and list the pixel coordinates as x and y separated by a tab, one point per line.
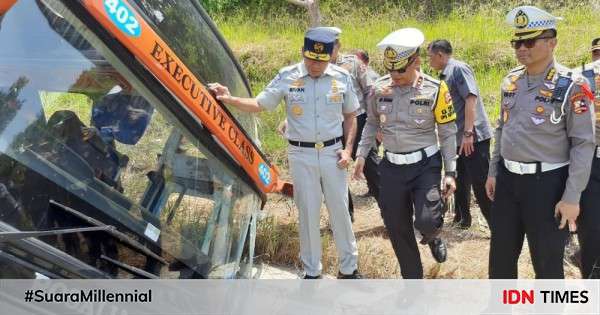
278	244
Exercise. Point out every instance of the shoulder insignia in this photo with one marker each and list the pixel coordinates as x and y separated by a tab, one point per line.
517	69
430	79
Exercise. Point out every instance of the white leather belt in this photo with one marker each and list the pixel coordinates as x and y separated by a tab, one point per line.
531	168
598	152
411	158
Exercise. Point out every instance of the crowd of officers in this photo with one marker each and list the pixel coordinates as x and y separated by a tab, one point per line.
539	179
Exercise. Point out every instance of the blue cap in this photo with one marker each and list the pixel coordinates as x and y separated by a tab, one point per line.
319	42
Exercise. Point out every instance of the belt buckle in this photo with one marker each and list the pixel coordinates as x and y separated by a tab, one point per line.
319	145
522	168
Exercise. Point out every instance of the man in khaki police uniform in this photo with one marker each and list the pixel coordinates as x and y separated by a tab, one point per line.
588	231
409	106
542	155
319	96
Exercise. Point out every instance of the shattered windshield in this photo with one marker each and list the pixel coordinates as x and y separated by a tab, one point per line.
83	141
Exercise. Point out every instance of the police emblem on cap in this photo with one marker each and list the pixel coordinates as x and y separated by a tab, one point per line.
318	48
521	19
390	53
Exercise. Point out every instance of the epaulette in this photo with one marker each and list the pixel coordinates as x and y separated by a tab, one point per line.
287	69
381	79
517	69
339	69
431	79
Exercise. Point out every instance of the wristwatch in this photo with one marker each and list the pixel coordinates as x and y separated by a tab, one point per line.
468	133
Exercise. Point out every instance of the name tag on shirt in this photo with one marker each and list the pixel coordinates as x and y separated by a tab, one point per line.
296	97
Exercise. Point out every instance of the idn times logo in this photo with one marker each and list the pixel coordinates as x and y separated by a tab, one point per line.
545	296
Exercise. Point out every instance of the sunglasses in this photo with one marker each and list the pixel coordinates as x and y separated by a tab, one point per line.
410	62
529	43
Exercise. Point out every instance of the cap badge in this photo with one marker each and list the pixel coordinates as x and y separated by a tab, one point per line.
319	48
521	19
390	53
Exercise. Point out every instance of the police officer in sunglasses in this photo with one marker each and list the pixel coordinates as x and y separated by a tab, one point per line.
414	113
543	150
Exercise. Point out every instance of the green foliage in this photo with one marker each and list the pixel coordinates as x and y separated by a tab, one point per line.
268	40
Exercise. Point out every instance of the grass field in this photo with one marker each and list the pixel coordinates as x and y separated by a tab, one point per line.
263	44
271	39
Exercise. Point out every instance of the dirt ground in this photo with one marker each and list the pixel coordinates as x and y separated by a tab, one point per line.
467	249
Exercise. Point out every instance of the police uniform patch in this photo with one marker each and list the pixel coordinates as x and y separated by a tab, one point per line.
505	115
382	118
298	83
297	110
421	101
296	96
578	103
540	109
550	75
444	110
537	120
335	98
546	93
543	99
334	86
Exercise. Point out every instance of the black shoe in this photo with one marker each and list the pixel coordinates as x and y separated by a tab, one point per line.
307	277
438	250
354	275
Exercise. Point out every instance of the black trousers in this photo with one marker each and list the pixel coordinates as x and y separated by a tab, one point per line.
588	225
524	205
472	172
402	189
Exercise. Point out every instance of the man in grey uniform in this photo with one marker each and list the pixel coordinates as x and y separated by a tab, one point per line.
474	133
362	84
319	96
543	151
588	231
414	113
